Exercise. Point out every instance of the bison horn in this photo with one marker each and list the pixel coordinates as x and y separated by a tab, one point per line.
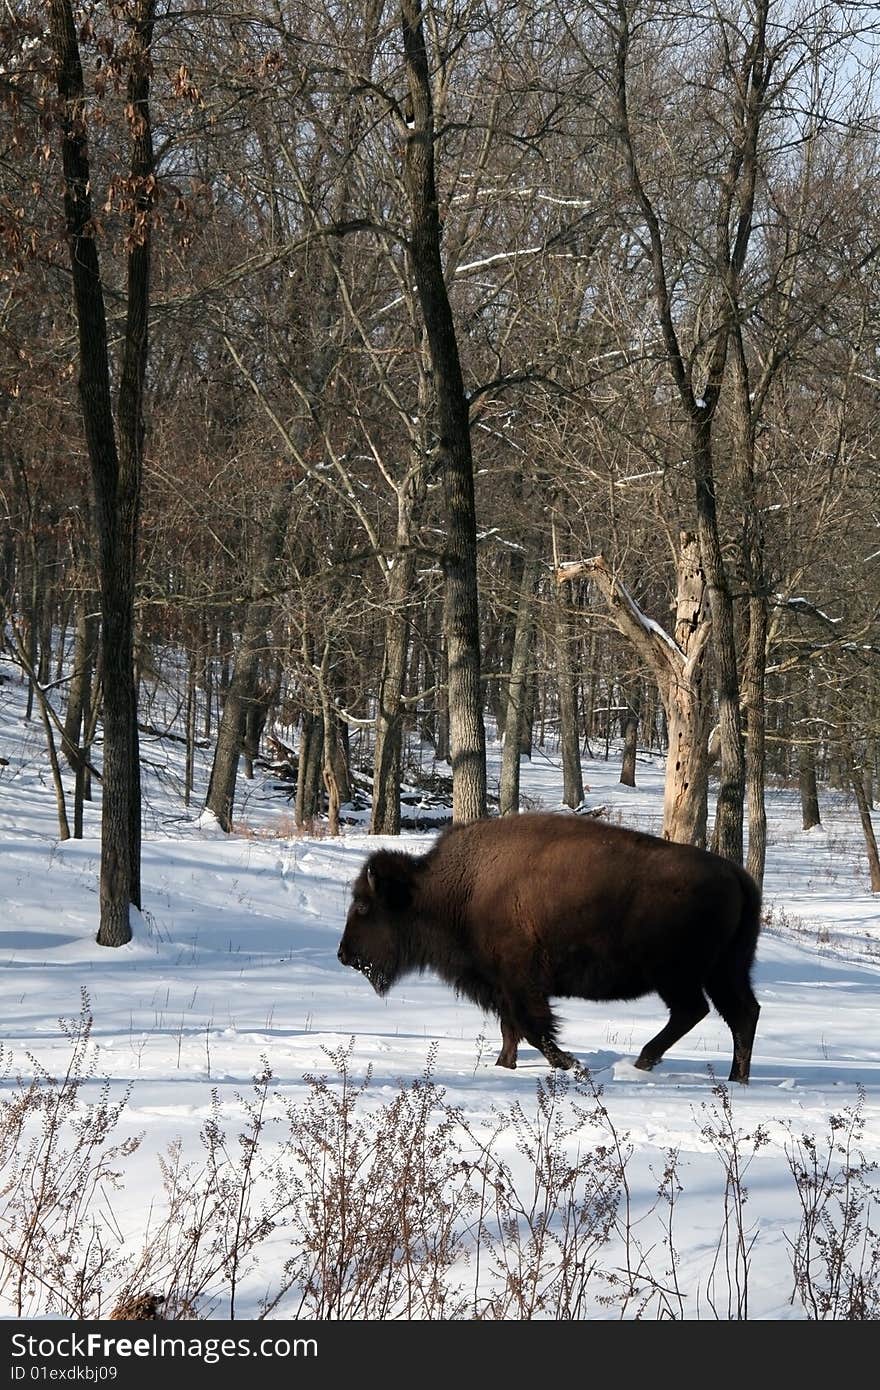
371	879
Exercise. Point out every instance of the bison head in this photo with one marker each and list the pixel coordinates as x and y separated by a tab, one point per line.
375	929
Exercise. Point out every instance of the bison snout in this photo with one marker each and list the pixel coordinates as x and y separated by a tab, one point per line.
342	955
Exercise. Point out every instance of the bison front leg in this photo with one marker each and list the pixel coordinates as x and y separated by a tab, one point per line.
510	1037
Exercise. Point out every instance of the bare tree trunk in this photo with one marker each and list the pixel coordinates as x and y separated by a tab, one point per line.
21	546
85	641
685	796
328	760
314	771
78	722
754	568
385	812
461	613
308	779
32	624
332	788
731	793
91	712
442	748
207	674
254	723
78	800
44	666
63	825
264	699
507	629
239	696
7	569
83	785
679	668
517	690
630	737
810	814
189	772
341	758
301	810
747	78
493	683
569	736
65	608
856	770
526	719
753	698
115	470
131	388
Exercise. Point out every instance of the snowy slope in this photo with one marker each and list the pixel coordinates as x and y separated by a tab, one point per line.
234	959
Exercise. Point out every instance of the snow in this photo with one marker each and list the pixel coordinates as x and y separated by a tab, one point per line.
649	624
234	960
507	192
808	607
638	477
499	256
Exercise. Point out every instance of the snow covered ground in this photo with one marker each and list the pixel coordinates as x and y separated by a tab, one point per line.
234	959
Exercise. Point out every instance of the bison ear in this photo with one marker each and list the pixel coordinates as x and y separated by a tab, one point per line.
390	879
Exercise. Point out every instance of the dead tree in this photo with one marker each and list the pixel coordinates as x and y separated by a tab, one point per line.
677	663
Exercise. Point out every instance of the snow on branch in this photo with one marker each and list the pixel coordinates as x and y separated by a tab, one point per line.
503	191
499	256
803	605
654	641
649	623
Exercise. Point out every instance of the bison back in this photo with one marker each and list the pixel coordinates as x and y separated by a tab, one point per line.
580	907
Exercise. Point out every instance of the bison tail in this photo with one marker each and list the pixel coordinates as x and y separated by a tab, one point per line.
746	940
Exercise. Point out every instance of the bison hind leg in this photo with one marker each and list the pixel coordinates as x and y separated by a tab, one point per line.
687	1007
739	1008
510	1037
557	1058
536	1023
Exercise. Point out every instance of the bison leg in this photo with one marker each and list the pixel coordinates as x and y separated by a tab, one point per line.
536	1023
556	1057
685	1012
510	1037
739	1008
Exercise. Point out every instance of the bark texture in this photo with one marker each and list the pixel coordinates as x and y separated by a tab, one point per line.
116	467
460	609
678	665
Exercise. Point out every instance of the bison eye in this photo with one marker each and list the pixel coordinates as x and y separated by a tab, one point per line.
361	909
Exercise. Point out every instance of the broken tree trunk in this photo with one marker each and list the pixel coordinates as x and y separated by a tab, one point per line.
678	666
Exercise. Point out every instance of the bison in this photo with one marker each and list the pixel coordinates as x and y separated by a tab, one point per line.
513	911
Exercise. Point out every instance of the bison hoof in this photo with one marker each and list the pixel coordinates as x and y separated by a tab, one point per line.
506	1062
646	1063
564	1060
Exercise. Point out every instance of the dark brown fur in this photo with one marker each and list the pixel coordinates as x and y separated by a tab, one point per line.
511	912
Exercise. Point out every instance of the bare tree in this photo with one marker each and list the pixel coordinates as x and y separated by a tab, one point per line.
115	447
699	382
678	665
461	611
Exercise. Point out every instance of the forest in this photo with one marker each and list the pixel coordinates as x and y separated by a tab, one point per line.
378	374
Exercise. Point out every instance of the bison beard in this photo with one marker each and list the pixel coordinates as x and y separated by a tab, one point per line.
380	982
511	912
